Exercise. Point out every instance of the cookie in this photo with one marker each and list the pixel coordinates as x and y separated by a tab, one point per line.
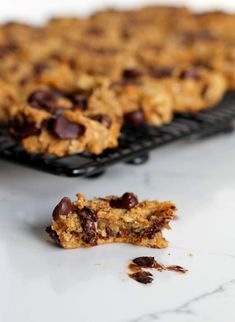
112	219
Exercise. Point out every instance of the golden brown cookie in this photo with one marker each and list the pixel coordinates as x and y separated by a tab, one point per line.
112	219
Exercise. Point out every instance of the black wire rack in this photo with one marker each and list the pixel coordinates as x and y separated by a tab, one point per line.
134	142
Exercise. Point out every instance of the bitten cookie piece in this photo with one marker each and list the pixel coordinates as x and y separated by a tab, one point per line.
112	219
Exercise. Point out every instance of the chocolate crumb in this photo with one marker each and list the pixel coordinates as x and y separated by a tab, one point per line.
142	277
137	264
144	261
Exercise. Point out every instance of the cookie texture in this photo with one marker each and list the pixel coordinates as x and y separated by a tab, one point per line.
112	219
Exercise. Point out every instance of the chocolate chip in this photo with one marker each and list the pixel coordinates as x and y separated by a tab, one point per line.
131	73
79	100
190	74
53	234
65	129
39	68
88	219
63	208
25	128
144	261
109	232
102	118
43	99
161	72
127	201
142	277
134	118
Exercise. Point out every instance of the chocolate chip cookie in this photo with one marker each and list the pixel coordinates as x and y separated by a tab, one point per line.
112	219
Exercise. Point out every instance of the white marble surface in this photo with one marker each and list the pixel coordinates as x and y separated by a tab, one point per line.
40	282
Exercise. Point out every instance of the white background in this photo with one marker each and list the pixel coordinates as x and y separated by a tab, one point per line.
37	10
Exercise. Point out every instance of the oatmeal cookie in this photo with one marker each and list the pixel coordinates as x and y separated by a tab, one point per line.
112	219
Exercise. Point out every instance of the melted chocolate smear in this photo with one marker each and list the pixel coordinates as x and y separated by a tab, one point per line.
176	268
88	219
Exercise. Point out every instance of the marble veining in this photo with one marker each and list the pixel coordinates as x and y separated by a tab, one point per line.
186	308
